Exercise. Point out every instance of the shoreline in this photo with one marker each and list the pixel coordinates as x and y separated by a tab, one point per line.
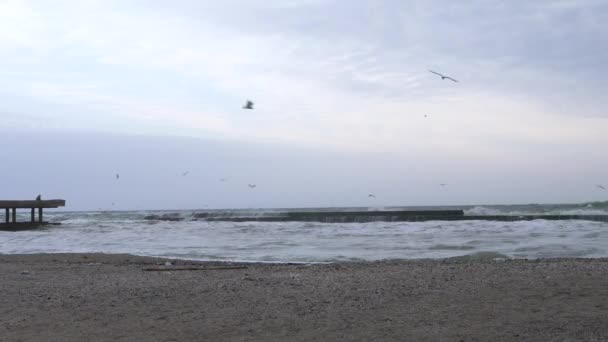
110	297
475	257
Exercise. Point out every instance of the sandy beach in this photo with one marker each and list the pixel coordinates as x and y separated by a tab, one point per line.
100	297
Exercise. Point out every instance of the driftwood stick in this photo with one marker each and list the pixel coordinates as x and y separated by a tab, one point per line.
192	268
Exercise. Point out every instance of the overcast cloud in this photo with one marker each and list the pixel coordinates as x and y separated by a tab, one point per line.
343	85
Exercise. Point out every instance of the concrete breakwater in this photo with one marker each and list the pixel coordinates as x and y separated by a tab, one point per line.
366	216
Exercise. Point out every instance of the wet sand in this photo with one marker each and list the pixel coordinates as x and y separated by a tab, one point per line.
97	297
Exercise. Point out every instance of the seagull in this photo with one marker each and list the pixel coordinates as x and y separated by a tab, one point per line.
442	184
38	198
601	187
185	173
371	195
223	179
442	76
252	185
117	176
248	105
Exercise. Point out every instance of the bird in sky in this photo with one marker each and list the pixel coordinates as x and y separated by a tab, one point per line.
252	185
442	76
442	184
248	105
371	196
185	173
117	176
601	186
38	198
223	179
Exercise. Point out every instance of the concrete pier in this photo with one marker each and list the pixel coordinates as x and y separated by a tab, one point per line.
10	212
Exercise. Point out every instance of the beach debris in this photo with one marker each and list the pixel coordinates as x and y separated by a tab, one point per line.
25	272
192	268
442	76
168	263
248	105
252	185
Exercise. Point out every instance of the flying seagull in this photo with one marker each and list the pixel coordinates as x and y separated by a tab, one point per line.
248	105
601	187
442	184
223	179
38	198
371	195
185	173
442	76
117	176
252	185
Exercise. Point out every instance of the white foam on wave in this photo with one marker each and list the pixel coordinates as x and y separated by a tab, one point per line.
482	211
534	210
585	211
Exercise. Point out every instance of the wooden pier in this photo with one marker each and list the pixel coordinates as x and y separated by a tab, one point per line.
10	212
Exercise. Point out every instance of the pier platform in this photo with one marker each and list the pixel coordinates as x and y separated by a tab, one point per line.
10	213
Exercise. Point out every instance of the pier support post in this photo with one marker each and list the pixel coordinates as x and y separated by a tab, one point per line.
40	215
14	215
33	215
6	216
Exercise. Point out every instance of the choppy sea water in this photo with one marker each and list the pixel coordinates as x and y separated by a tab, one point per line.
129	232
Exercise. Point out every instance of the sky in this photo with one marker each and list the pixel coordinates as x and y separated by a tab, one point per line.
344	103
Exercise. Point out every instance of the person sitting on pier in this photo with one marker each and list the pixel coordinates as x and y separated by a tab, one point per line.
38	198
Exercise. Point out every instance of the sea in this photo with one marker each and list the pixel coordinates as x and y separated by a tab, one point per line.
134	232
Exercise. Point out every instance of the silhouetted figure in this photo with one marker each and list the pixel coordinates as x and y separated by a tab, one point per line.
442	76
248	105
38	198
252	185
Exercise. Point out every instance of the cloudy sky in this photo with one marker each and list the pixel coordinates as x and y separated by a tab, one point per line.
345	105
